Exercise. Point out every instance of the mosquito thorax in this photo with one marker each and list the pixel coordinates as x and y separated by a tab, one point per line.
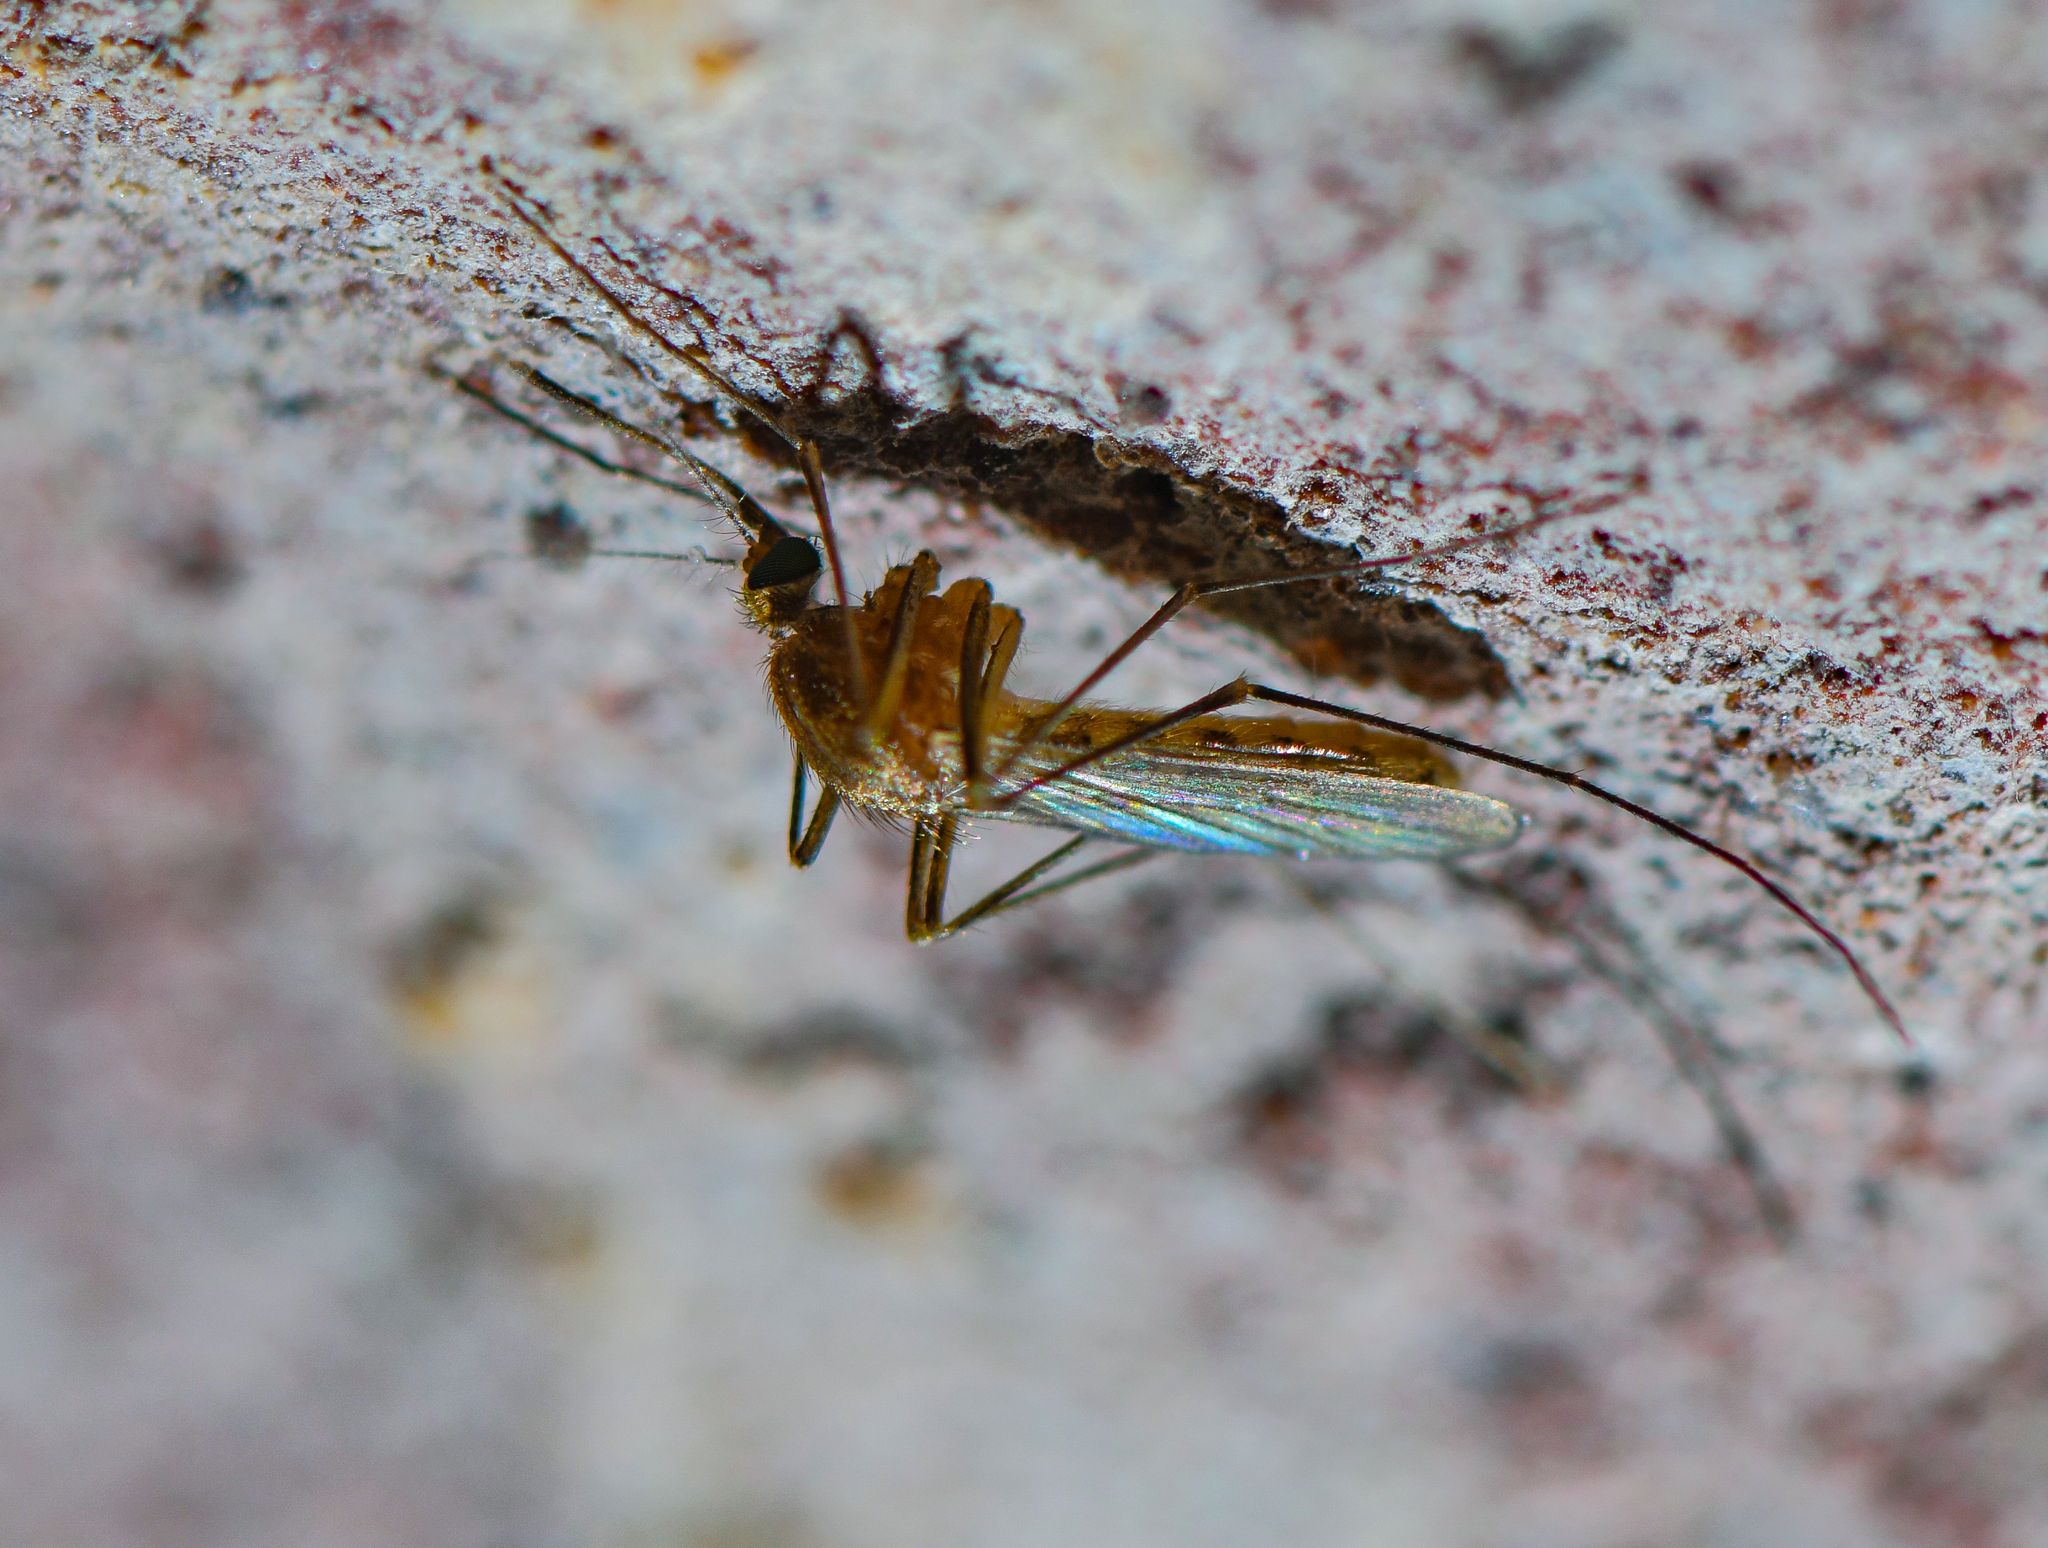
782	571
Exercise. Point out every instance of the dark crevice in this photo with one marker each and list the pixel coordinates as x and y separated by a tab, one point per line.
1129	510
1527	71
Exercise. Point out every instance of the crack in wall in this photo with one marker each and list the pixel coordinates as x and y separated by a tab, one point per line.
1150	523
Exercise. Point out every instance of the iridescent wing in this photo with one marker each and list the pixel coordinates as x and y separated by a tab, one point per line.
1305	803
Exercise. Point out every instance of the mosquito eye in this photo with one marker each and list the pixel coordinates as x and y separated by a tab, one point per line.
791	559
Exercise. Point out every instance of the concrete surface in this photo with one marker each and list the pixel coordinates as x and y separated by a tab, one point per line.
432	1112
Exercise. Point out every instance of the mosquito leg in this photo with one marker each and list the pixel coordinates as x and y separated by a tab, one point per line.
919	577
1688	1046
917	907
806	839
1579	782
944	837
1039	733
1521	1066
808	459
796	802
1018	891
984	666
1195	591
972	694
1692	1053
931	853
1229	694
985	663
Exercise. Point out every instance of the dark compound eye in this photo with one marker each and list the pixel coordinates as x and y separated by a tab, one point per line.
791	559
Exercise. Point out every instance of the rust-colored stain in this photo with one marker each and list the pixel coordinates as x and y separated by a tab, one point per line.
716	63
877	1186
463	982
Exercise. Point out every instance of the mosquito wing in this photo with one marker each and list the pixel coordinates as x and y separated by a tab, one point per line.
1304	803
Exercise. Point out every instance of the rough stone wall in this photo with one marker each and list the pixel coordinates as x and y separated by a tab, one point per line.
432	1112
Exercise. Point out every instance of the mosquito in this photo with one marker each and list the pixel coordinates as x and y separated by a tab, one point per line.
898	705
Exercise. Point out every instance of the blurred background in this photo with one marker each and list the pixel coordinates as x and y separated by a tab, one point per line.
433	1112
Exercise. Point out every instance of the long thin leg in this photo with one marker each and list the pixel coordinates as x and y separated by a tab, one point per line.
1688	1046
527	209
945	835
969	697
919	576
1196	591
930	856
1002	900
988	646
1509	1058
1747	867
1231	693
806	839
924	838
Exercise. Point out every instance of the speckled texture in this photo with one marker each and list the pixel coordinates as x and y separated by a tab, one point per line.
432	1113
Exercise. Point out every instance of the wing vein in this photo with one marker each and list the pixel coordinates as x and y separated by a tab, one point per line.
1308	804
